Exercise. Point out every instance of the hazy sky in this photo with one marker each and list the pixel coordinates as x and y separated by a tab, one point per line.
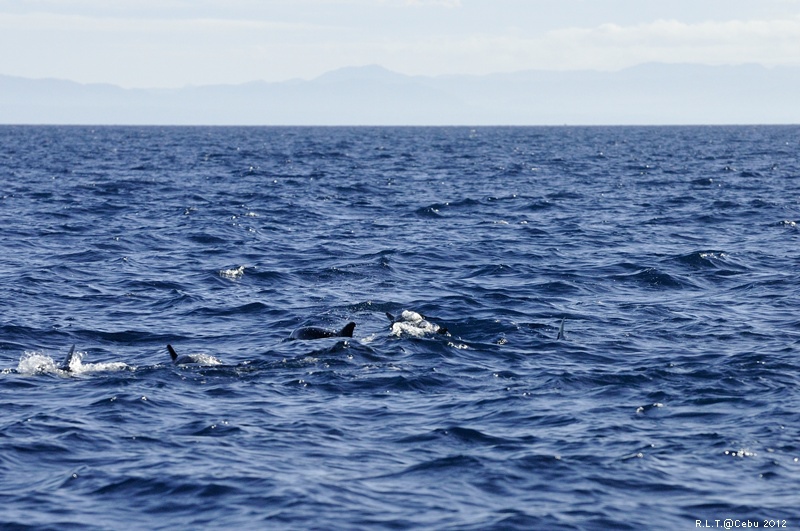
172	43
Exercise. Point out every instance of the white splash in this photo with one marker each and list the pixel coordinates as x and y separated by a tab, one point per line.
32	363
413	324
233	274
197	359
38	363
77	366
206	359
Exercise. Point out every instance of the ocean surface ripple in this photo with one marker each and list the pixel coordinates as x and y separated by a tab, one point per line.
670	253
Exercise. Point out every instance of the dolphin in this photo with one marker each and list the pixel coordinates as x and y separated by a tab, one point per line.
561	329
65	365
187	359
313	332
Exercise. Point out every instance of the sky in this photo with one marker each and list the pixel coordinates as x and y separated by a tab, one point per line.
177	43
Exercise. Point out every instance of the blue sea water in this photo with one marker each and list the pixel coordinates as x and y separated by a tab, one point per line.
671	254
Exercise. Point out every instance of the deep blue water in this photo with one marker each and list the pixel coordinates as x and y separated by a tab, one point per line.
672	254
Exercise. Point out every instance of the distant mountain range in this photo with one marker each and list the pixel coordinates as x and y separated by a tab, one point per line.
371	95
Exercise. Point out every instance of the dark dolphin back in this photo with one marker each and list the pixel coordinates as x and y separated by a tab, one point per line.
313	332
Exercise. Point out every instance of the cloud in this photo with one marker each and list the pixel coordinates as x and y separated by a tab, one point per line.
174	42
113	24
733	41
437	3
602	47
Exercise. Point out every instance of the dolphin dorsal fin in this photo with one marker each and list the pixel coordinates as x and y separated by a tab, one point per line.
561	329
347	331
391	317
172	353
68	360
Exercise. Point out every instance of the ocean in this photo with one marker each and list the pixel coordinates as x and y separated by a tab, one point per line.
670	255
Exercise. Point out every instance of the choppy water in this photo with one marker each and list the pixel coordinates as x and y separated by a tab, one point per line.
671	253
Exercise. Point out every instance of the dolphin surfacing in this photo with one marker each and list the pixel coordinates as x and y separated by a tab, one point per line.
313	332
173	354
65	365
187	359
